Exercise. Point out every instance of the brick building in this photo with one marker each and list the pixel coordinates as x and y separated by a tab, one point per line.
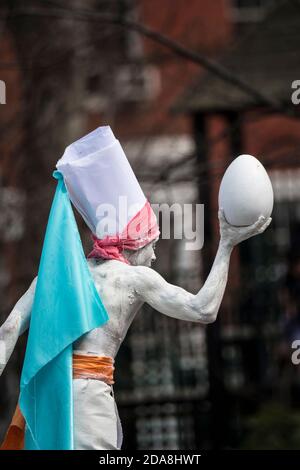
65	77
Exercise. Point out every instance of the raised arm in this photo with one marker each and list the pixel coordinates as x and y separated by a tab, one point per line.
204	306
16	323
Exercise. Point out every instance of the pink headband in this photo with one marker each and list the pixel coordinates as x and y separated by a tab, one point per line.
140	230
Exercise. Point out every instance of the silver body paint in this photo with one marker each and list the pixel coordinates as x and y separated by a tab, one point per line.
124	288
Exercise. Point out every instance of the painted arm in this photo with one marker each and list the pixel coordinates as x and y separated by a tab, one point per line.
204	306
16	323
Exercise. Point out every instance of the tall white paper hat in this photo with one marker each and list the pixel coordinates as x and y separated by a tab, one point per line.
98	175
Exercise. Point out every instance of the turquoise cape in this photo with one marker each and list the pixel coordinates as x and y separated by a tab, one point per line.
66	306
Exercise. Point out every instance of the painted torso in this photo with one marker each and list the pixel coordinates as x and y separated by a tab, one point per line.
121	302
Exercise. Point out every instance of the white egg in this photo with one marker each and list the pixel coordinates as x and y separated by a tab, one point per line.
246	191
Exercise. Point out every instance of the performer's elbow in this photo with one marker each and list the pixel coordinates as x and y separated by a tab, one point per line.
11	325
208	316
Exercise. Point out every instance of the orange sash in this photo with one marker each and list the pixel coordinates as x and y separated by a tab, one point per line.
93	367
84	367
14	439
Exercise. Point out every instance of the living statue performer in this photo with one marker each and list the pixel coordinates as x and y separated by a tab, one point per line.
78	310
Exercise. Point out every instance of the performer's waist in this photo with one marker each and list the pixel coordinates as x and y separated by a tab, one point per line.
84	367
93	367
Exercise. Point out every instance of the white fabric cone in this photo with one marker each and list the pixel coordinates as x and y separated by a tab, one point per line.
100	182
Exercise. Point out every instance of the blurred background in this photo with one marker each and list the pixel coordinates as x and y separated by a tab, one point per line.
186	87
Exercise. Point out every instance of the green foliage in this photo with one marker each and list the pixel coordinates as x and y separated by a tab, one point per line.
274	427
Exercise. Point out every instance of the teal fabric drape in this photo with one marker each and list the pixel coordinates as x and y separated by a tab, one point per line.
66	306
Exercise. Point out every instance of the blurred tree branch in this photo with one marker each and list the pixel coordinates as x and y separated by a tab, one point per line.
217	69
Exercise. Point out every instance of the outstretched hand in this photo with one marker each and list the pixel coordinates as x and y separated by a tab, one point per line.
232	235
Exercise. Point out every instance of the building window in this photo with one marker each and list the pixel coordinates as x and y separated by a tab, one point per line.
247	11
